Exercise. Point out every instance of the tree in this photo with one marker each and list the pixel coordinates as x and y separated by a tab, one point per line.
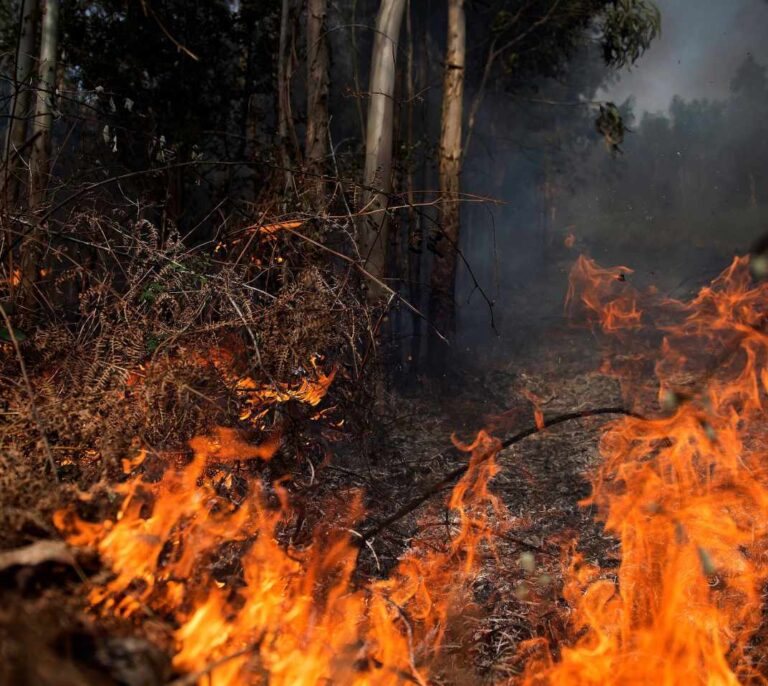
284	116
527	39
443	277
43	124
39	162
22	94
377	174
317	99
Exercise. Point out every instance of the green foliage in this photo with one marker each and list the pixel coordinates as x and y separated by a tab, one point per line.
8	335
628	28
539	36
150	293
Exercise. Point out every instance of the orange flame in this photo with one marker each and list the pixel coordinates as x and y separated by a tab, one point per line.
687	496
538	414
283	613
604	295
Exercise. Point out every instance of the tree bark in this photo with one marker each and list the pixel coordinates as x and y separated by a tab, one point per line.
316	148
39	162
284	93
415	232
20	101
379	136
443	279
41	148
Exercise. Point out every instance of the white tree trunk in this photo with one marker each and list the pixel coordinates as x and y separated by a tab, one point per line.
379	135
443	279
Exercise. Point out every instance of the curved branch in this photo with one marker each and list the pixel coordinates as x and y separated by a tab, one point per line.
452	476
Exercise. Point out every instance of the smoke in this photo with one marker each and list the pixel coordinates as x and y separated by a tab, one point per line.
700	47
689	190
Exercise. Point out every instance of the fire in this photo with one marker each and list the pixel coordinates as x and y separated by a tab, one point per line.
685	492
600	292
538	413
14	280
210	547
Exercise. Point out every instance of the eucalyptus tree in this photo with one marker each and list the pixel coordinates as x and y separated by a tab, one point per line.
525	40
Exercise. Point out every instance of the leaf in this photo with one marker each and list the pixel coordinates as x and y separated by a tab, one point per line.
5	335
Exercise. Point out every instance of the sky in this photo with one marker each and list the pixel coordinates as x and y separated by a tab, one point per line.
702	43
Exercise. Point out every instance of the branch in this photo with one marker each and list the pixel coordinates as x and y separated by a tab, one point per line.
149	12
493	54
31	394
452	476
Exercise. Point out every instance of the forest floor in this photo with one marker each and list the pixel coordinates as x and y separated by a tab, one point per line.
541	481
46	630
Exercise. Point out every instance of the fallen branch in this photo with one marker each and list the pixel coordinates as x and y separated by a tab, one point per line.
451	477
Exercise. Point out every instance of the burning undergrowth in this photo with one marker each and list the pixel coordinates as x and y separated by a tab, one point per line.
251	604
685	490
148	341
193	453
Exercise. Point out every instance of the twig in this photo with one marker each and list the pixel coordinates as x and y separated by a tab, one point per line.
452	476
372	277
194	677
28	386
148	11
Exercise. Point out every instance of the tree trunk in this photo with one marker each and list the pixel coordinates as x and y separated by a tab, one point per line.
20	102
377	177
284	93
316	149
415	233
41	148
442	309
39	162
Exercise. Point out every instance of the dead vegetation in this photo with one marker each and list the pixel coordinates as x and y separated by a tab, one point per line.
139	341
147	343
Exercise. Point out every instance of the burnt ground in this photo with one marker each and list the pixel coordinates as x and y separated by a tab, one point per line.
48	639
541	481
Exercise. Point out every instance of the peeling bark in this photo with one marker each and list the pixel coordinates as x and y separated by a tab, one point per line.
442	310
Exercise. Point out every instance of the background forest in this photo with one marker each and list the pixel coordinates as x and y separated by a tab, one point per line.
398	126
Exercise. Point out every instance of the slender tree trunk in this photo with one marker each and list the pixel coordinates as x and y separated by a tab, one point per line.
379	136
415	233
284	93
316	150
20	101
443	279
41	148
356	69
